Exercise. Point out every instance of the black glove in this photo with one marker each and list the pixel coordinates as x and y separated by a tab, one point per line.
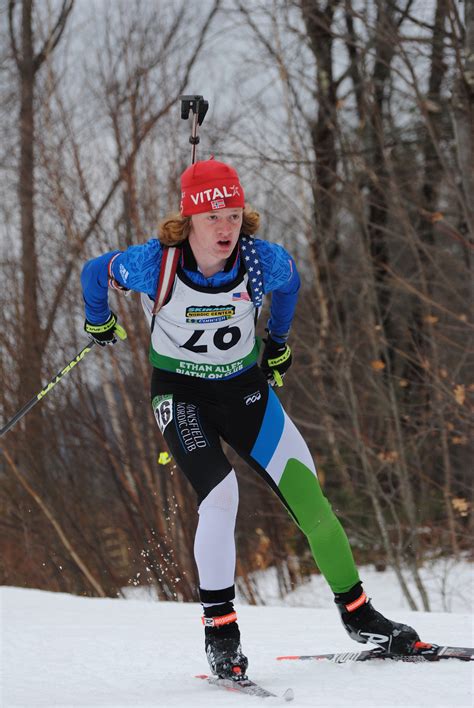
276	360
106	333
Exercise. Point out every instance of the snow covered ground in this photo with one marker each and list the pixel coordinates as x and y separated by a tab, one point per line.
61	650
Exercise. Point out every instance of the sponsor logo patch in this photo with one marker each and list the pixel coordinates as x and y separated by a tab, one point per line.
209	313
252	398
210	195
189	427
123	272
210	371
375	638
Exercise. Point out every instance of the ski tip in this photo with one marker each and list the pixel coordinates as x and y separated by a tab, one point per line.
282	658
201	676
288	695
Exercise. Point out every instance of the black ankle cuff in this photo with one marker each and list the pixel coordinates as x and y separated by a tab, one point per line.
216	596
345	598
219	610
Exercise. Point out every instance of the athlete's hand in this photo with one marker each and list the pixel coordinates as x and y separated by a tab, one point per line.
276	360
105	333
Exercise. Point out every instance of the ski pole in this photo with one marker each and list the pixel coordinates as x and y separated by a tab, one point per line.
28	406
199	107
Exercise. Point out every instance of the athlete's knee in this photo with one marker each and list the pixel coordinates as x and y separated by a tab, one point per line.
323	520
304	497
224	496
314	514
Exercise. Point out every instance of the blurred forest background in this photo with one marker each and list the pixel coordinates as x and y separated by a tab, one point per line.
351	125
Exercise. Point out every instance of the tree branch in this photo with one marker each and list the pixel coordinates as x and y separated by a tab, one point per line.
11	9
53	40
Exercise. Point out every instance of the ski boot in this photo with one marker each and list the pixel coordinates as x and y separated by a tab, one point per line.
364	624
222	642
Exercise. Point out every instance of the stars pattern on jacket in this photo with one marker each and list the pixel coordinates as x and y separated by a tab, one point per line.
252	264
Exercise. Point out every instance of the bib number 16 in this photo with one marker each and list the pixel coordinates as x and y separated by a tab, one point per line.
224	338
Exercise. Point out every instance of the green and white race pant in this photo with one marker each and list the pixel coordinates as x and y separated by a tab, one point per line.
195	415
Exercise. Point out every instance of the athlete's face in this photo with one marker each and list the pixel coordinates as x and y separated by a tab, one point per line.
215	233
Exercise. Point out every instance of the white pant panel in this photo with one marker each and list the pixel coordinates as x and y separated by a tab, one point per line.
214	543
290	445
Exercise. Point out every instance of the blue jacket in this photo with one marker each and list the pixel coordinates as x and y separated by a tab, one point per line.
138	269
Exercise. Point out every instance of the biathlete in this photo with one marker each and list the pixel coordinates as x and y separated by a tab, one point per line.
206	386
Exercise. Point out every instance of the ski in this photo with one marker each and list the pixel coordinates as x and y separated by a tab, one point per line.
245	685
421	652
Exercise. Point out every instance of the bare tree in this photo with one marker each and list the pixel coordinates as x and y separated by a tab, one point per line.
29	63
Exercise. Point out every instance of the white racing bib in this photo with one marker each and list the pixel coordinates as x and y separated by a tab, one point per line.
201	333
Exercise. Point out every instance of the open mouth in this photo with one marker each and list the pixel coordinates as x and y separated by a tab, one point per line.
224	242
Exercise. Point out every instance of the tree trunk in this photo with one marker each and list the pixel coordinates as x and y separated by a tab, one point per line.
463	117
30	346
385	38
323	130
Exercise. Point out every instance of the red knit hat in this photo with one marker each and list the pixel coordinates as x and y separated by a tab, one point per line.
210	185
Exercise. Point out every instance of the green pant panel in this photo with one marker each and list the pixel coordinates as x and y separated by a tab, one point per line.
313	514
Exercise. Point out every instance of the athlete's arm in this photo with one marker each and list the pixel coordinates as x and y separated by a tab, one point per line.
137	269
280	277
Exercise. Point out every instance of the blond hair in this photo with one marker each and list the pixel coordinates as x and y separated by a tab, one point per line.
175	228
